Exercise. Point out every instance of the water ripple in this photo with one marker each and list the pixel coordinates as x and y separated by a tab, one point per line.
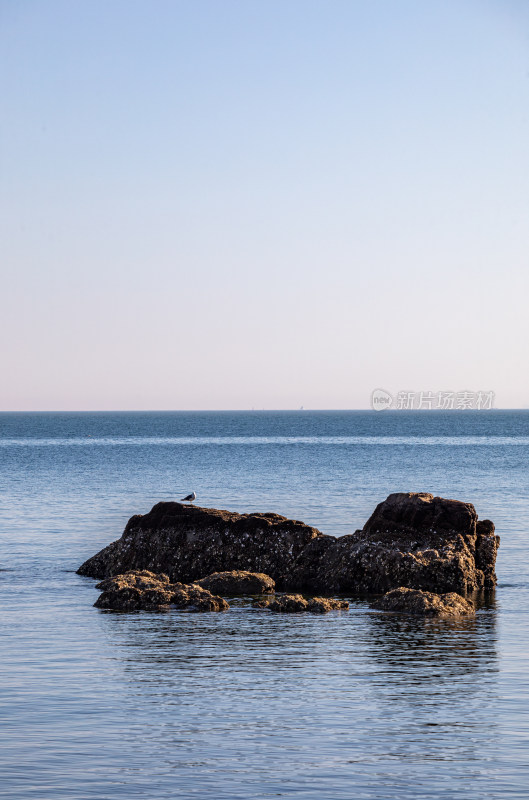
339	441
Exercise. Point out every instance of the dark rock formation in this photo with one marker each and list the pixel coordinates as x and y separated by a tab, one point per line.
295	603
413	601
145	590
238	582
188	543
414	540
486	550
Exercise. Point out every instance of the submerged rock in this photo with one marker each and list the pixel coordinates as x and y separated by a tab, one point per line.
288	603
146	590
414	601
295	603
238	582
321	605
412	539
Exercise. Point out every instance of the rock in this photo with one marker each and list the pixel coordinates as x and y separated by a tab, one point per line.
188	542
141	579
145	590
197	598
261	603
412	539
486	550
321	605
295	603
237	582
414	601
134	590
287	604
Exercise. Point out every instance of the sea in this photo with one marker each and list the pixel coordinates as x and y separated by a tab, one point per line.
249	705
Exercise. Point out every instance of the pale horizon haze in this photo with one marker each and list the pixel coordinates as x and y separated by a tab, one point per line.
228	204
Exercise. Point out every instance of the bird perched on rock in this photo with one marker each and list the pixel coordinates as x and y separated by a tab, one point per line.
189	498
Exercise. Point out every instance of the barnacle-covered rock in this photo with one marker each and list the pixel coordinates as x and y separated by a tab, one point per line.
146	590
412	539
295	603
429	604
238	582
188	543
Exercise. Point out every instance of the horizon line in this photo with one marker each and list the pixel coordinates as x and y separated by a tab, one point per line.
250	410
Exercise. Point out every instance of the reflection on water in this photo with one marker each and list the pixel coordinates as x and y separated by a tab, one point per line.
444	647
437	680
250	704
297	701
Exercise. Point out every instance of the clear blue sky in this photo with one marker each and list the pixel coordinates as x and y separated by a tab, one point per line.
231	204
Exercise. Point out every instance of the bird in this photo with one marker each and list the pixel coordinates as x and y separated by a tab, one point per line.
189	498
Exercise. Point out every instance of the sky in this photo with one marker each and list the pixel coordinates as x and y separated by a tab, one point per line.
227	204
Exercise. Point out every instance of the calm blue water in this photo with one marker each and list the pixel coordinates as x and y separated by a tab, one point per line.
247	704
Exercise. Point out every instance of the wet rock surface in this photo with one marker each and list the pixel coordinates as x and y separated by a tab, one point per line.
238	582
146	590
295	603
414	601
414	540
321	605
